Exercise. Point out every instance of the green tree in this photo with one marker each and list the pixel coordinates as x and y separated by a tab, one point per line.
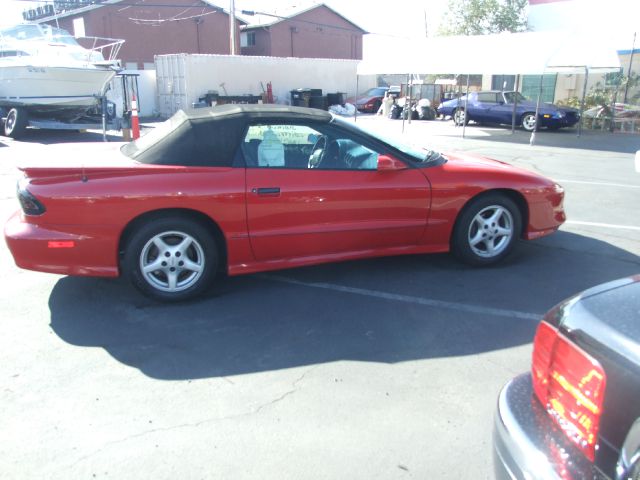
480	17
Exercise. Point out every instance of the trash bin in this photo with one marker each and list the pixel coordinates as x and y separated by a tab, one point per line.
337	98
319	102
300	97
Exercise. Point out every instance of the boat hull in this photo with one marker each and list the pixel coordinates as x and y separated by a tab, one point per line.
45	89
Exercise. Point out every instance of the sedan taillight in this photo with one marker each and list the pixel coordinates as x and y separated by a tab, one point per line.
570	384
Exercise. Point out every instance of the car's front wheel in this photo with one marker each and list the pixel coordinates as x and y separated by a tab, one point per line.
487	230
171	259
529	122
459	117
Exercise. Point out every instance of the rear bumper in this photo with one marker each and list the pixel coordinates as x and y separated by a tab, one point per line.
62	249
528	445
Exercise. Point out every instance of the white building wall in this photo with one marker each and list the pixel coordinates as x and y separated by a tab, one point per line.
183	78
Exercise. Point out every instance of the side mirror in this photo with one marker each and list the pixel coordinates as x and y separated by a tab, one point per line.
387	163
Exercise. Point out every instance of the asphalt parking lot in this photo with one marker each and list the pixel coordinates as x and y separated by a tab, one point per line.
386	368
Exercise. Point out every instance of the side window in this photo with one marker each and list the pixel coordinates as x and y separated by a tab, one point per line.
304	147
487	97
283	146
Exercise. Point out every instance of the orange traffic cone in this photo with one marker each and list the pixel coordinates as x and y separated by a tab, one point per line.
135	121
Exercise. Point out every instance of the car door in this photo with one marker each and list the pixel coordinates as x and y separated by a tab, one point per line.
502	112
485	107
314	190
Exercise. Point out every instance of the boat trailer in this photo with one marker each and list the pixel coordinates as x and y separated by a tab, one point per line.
16	120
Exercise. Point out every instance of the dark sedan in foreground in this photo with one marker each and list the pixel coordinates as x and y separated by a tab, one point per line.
497	107
577	414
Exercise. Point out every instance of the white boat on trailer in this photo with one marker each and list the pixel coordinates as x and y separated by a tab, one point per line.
47	74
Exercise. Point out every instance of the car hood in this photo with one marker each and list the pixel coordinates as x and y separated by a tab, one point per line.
360	100
500	174
477	162
547	107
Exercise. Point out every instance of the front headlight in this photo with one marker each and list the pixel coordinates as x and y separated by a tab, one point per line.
559	189
560	115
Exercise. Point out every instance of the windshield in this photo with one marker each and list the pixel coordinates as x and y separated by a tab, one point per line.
417	153
512	96
22	32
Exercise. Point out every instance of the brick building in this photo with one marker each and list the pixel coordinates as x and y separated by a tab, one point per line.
183	26
198	26
317	32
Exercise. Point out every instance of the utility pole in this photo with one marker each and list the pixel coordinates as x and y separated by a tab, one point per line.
232	28
426	26
626	87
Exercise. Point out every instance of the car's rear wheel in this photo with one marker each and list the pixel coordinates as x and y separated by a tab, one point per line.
459	117
486	230
529	122
16	122
171	259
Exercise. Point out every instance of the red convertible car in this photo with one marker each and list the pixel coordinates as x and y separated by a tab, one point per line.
245	189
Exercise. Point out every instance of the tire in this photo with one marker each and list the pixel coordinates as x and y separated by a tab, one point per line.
16	123
166	242
486	230
459	117
529	121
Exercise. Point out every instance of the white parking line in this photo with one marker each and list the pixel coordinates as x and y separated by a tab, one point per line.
601	184
606	225
462	307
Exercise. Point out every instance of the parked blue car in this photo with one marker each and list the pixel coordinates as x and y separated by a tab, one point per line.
497	107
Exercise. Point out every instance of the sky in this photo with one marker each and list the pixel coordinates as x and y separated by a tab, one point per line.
612	23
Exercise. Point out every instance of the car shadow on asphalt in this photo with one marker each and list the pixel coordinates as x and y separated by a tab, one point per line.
393	310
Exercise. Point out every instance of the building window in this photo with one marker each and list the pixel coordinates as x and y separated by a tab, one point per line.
503	82
248	39
531	87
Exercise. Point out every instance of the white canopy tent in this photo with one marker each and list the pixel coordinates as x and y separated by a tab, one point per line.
528	53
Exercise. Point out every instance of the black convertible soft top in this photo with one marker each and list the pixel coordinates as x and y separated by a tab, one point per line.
210	137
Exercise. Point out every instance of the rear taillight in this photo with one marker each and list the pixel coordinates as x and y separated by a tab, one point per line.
570	384
30	204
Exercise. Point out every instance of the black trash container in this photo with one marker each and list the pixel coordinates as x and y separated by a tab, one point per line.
337	98
319	102
300	97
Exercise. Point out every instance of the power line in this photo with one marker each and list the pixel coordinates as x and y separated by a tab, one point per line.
142	4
